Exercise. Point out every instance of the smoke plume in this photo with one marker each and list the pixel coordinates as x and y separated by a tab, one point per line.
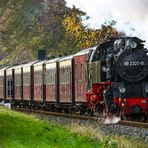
131	15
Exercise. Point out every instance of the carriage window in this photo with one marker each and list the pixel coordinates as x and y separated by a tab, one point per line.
53	76
50	76
10	88
18	80
38	77
69	75
76	71
1	81
47	76
65	75
26	79
81	72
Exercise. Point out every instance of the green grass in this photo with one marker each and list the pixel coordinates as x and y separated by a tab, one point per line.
21	131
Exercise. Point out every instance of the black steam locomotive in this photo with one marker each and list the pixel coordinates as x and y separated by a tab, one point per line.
123	82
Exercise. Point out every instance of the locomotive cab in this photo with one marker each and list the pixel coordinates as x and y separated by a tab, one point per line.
100	77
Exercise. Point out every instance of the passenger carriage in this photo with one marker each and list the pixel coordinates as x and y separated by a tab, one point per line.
52	83
3	83
66	82
28	83
39	87
18	79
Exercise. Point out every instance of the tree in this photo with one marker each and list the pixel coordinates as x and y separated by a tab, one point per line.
29	25
84	37
17	30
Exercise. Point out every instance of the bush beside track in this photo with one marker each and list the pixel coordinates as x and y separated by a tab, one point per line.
19	130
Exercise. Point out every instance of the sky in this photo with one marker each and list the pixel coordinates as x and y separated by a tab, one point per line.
131	15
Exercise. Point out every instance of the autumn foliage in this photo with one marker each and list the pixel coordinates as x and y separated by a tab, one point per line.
29	25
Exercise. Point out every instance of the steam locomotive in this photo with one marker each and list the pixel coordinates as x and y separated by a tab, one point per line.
111	78
122	81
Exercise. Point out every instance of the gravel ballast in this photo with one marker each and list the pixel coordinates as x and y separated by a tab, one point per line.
112	129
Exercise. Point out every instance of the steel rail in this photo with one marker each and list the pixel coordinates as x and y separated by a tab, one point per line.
82	117
134	124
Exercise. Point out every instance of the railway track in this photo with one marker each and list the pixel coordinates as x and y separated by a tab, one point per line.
81	117
134	124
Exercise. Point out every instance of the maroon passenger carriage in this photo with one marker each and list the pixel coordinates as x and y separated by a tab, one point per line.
51	77
80	61
38	71
66	82
3	83
18	87
28	83
10	83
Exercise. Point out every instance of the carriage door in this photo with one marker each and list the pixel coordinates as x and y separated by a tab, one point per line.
10	89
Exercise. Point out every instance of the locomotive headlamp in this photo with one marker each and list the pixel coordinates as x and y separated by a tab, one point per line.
132	44
122	89
146	89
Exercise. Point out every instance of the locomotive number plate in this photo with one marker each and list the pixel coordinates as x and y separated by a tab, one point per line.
133	63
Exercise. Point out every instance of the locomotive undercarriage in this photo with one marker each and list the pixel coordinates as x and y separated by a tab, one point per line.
121	108
132	111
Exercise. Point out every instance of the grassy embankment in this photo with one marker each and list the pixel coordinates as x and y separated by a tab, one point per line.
21	131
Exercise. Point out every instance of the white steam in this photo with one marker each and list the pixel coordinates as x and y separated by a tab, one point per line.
131	15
